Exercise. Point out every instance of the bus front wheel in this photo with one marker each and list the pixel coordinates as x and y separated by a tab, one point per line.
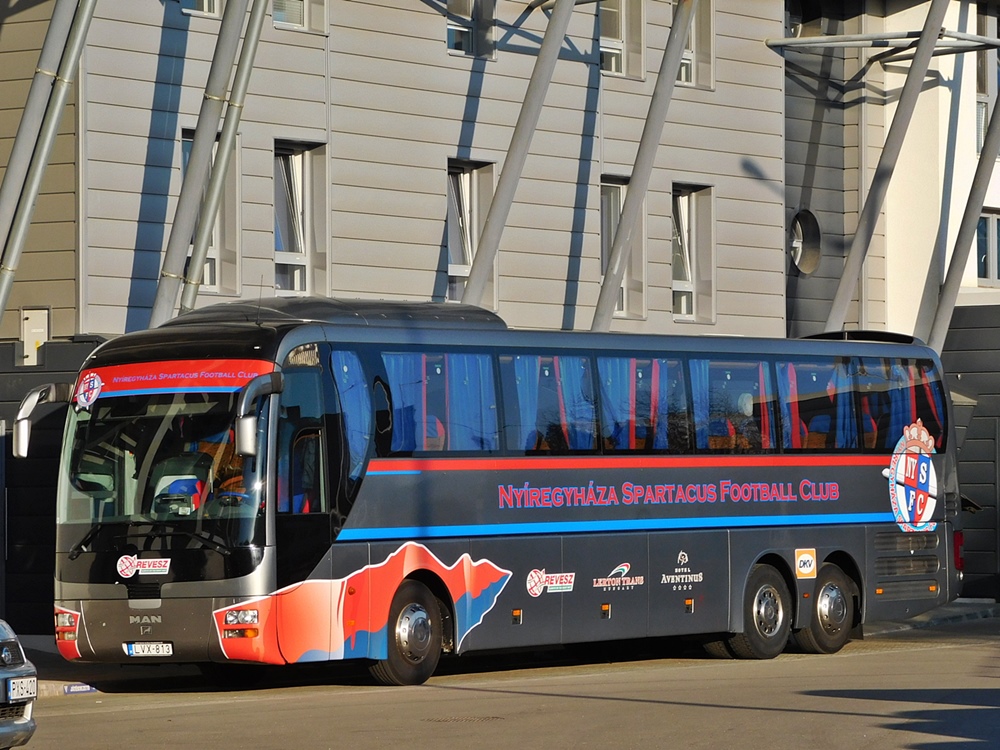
832	613
414	637
766	616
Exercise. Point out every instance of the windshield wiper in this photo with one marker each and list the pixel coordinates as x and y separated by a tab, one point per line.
206	541
76	549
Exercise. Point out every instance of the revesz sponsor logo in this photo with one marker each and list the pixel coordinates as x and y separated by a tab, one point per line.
539	582
129	565
619	579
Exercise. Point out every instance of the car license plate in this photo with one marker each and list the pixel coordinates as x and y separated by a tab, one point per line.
149	648
22	688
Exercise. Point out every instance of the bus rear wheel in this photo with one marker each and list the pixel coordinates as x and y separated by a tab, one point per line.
414	637
766	616
832	613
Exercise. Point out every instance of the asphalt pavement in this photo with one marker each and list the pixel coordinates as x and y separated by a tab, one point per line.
58	677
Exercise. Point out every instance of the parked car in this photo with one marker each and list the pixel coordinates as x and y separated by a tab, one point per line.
18	690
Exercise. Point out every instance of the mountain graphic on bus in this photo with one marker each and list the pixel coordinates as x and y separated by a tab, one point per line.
297	625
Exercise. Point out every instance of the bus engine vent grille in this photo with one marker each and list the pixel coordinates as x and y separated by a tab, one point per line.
143	590
907	566
900	542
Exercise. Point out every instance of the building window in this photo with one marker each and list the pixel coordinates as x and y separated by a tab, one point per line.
631	297
988	250
471	26
299	223
986	67
693	261
696	61
622	27
221	270
299	14
470	191
206	7
804	242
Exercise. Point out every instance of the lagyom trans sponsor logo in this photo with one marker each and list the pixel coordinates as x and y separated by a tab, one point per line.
912	479
539	582
129	565
682	579
619	579
88	390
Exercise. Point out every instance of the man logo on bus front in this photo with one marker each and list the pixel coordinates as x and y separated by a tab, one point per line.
912	479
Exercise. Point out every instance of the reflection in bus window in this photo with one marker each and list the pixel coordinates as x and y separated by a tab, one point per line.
442	402
304	403
355	405
895	394
643	404
548	403
732	405
817	405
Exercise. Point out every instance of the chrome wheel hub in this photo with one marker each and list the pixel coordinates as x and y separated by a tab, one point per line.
831	609
769	614
413	632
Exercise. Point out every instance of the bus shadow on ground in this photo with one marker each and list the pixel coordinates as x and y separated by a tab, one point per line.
187	678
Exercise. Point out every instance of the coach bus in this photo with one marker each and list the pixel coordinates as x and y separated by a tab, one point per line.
304	480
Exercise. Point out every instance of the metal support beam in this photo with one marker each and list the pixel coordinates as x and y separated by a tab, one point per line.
638	183
524	129
966	232
48	130
227	141
193	186
34	110
886	164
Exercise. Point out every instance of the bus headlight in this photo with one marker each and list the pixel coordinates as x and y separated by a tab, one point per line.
241	617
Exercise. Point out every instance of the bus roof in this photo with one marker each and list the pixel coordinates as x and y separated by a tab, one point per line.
277	311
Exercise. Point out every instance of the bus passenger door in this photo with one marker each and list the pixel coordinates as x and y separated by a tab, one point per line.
303	514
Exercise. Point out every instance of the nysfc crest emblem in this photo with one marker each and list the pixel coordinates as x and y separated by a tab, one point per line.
912	480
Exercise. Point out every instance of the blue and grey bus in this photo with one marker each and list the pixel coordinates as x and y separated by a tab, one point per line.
304	480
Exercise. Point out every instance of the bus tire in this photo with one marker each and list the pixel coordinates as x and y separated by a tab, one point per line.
832	613
767	621
414	637
717	648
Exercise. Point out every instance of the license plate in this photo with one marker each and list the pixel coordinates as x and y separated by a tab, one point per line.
149	648
22	688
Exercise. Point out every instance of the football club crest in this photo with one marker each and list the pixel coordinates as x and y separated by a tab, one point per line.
912	480
88	390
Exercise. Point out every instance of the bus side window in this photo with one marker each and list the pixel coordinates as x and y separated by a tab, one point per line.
406	372
887	399
355	407
305	474
552	409
442	402
470	405
732	405
307	411
930	401
643	404
816	405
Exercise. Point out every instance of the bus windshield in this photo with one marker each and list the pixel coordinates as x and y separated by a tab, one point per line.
166	459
